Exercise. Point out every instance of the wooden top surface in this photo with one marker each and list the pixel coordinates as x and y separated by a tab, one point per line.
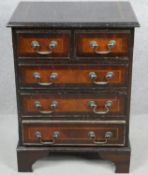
74	14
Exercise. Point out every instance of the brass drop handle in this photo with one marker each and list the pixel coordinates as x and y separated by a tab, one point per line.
93	76
53	76
55	136
93	105
36	45
53	106
94	45
92	136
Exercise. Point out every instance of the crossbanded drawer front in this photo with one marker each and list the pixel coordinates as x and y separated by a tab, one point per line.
93	133
66	75
45	104
43	44
102	43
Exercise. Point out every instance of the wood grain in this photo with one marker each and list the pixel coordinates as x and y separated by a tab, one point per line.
73	133
108	14
72	75
102	38
66	104
62	38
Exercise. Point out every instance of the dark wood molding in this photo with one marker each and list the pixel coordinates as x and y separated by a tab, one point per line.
120	14
119	156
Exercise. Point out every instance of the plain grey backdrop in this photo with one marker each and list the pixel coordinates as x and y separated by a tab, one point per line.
139	105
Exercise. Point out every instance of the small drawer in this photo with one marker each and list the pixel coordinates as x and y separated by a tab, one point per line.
100	43
70	75
90	133
49	105
43	44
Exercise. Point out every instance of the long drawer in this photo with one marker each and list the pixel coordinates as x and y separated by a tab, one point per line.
94	104
93	133
73	75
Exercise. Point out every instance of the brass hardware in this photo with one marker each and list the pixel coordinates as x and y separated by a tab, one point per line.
92	136
38	104
53	106
36	76
94	45
111	44
55	136
94	106
109	75
53	44
108	134
93	76
53	77
36	45
43	52
38	135
44	84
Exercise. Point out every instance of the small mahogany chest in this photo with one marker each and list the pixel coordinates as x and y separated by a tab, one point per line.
73	67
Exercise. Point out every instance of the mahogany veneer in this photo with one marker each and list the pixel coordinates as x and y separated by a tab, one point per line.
73	75
74	133
71	104
84	38
44	39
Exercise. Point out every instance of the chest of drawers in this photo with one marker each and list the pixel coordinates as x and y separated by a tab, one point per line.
73	69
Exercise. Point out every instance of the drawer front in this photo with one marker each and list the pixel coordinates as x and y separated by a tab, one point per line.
96	44
45	76
91	133
45	104
44	44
